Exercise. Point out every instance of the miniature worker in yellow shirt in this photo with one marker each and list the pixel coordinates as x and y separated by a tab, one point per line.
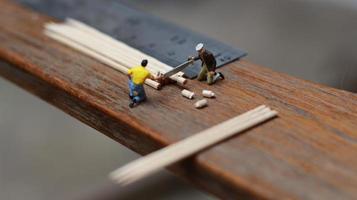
137	76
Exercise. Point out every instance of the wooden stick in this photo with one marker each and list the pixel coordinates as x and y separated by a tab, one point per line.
197	138
96	56
112	41
116	43
90	42
131	175
176	152
155	165
122	55
109	47
113	47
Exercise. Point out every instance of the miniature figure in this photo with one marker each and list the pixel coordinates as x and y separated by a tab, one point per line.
208	65
137	76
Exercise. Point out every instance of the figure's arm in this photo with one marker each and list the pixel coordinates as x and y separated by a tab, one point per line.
152	77
155	78
193	58
211	62
129	74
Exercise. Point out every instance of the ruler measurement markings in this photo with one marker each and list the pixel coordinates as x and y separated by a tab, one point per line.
169	43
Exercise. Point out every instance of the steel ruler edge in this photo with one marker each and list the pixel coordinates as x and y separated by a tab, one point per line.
169	43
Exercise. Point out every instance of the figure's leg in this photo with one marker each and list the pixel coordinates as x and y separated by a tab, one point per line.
141	93
213	78
135	100
210	80
131	89
133	94
203	73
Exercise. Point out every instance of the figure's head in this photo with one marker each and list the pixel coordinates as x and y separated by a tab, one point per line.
199	47
144	63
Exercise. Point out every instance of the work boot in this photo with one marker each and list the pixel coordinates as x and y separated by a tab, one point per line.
217	76
221	75
131	104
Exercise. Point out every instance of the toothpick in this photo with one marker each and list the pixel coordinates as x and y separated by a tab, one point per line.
155	161
100	43
96	56
112	41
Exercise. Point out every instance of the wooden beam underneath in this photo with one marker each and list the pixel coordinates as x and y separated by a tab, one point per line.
309	152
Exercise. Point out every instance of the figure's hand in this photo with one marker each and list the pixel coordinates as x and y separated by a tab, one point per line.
158	76
191	59
211	72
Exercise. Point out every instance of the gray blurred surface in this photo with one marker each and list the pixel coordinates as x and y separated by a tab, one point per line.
312	39
45	154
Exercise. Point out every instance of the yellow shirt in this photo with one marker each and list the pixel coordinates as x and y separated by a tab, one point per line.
139	74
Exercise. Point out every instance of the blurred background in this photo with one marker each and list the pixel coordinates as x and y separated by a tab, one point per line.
46	154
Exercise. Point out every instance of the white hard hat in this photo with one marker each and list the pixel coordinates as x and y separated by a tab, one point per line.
199	46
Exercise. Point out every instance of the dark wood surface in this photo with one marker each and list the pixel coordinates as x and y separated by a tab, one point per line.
308	152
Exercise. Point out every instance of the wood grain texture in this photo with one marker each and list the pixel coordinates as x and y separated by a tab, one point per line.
309	152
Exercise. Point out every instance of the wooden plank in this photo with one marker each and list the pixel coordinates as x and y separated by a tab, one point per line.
307	153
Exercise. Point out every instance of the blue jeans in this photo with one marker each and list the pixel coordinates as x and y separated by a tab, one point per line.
137	92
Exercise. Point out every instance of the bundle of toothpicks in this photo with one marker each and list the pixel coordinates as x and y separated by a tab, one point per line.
106	49
174	153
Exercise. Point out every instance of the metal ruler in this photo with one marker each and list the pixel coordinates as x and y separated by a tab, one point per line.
167	42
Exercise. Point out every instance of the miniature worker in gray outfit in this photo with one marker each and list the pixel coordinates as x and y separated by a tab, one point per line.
208	66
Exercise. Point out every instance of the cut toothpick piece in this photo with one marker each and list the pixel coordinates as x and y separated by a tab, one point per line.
201	103
153	162
188	94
